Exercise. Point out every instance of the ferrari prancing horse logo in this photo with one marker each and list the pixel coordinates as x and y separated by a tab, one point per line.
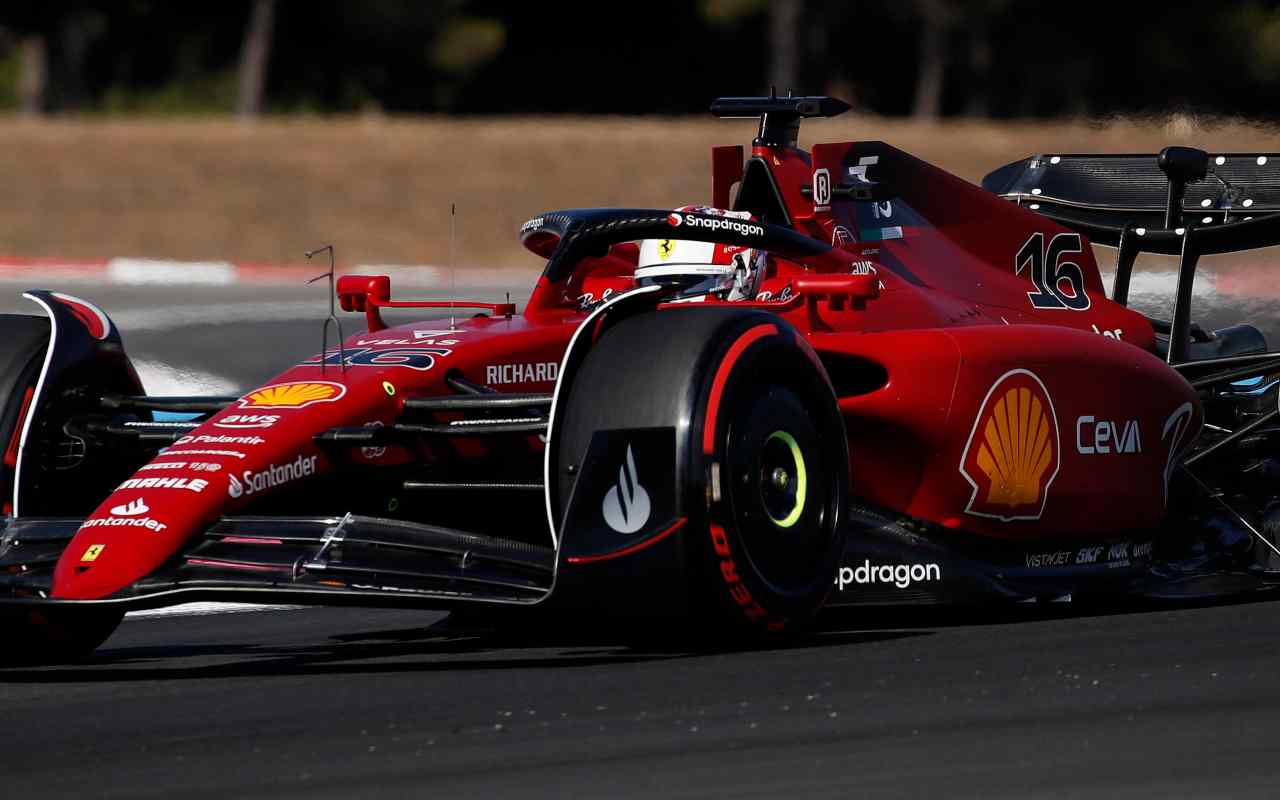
665	246
1012	455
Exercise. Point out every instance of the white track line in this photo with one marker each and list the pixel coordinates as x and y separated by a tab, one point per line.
165	379
163	319
133	271
205	609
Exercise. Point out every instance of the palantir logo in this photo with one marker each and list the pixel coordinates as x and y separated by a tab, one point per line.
626	505
131	509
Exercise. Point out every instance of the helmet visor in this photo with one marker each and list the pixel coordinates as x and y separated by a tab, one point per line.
687	280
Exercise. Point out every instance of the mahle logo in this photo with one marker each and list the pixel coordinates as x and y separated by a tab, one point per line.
626	505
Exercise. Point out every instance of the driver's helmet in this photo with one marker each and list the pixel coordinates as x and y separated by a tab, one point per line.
702	268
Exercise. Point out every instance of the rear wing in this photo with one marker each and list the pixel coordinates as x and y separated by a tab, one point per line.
1182	202
1100	194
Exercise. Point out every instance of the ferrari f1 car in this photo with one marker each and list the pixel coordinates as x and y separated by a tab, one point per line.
926	398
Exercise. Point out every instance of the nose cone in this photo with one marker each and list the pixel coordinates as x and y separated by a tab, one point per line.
261	444
138	528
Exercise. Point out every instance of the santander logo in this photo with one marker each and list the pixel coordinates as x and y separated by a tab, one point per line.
626	505
131	509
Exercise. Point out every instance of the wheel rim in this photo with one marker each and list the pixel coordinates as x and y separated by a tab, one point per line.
779	494
784	479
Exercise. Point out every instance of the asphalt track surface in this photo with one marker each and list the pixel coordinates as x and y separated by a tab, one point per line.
1040	702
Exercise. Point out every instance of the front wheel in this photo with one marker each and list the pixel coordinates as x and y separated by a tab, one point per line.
774	452
702	465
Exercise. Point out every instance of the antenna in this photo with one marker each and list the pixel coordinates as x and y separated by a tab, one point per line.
333	316
453	289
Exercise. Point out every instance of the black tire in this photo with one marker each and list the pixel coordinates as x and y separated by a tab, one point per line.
23	341
55	635
746	375
774	533
35	634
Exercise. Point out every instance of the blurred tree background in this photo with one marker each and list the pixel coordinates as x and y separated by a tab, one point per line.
925	58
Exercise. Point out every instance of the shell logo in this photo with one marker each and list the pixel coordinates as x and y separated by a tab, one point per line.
296	394
1012	455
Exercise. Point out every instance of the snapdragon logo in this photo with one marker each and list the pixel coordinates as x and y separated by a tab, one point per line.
900	575
715	224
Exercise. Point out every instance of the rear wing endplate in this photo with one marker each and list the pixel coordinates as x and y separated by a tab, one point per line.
1182	202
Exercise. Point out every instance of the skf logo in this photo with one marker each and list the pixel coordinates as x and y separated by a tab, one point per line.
92	553
665	247
1102	436
295	394
626	505
1012	455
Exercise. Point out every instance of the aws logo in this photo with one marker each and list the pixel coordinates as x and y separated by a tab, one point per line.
1013	452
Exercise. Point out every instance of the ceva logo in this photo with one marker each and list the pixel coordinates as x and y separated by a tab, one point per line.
131	509
626	505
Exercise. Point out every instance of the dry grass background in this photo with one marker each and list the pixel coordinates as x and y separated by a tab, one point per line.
380	188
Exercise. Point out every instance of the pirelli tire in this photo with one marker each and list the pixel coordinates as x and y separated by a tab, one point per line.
23	342
761	461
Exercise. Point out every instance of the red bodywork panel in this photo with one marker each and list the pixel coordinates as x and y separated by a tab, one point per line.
991	386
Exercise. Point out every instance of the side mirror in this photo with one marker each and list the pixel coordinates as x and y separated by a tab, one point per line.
368	293
364	293
857	289
354	290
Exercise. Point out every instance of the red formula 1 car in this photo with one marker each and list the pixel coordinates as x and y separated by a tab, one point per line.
872	383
